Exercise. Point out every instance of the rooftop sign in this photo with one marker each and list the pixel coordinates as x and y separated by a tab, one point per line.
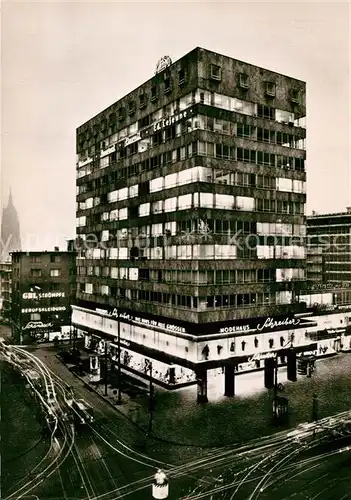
163	63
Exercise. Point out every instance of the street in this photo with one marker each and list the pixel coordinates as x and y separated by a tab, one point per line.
113	458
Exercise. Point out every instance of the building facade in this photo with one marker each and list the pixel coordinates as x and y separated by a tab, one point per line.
5	290
191	214
329	247
43	287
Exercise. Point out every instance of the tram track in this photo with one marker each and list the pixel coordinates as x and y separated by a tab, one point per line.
28	483
110	436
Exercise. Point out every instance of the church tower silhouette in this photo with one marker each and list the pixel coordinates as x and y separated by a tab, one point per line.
10	230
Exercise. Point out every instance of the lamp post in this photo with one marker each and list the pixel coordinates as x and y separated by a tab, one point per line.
74	337
119	397
276	409
107	346
148	366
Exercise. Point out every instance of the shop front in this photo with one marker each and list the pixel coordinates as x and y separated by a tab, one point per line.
182	354
39	331
135	360
329	333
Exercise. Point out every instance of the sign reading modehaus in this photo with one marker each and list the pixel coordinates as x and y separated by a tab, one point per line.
235	329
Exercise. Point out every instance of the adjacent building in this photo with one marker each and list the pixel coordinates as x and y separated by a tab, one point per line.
329	247
5	291
191	219
43	287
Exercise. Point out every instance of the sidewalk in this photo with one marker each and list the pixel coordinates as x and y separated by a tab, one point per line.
179	420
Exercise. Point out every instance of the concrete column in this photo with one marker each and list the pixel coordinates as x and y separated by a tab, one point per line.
229	380
201	375
172	375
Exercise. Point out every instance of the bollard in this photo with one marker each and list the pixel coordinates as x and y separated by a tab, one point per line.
160	485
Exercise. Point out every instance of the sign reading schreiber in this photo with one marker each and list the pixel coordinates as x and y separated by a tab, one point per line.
271	323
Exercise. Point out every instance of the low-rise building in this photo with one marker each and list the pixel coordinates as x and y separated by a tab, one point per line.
43	286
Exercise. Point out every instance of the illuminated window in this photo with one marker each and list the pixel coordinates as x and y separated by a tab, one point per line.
133	191
184	201
156	184
144	209
121	214
171	204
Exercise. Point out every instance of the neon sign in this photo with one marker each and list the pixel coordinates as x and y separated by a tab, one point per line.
48	295
167	122
37	324
272	323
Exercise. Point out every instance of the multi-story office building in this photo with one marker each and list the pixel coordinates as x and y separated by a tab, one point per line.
43	286
329	247
5	291
190	217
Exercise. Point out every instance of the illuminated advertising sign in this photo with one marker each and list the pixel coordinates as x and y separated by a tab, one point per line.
42	309
45	295
36	324
84	162
108	151
228	328
271	323
170	120
316	287
142	321
133	138
235	329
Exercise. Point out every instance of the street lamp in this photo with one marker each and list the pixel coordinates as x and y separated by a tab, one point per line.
107	347
279	410
148	368
119	399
